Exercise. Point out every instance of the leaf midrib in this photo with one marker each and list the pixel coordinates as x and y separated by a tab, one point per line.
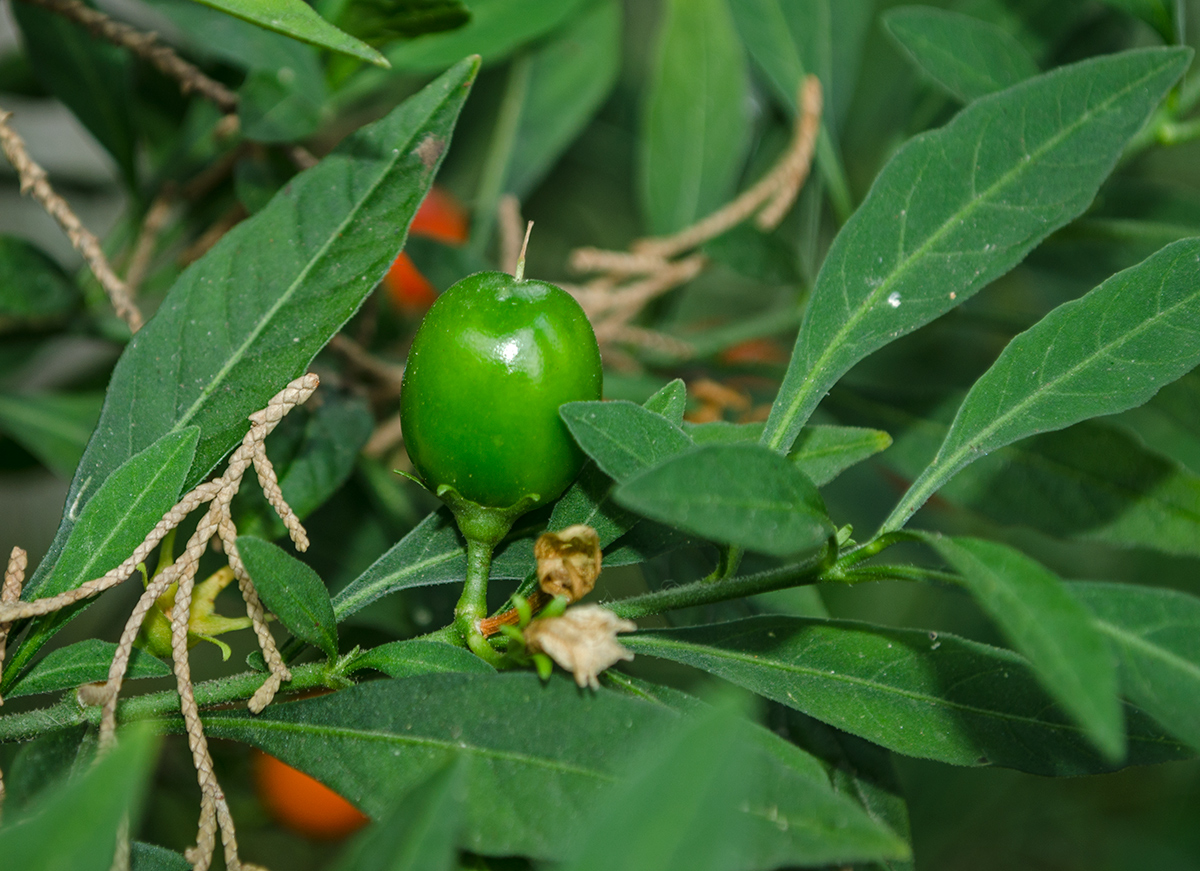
808	385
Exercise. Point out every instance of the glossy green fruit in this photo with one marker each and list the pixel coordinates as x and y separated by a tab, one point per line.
489	367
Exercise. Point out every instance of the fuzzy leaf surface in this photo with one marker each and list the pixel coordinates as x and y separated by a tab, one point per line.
79	663
958	207
297	19
623	438
292	591
934	696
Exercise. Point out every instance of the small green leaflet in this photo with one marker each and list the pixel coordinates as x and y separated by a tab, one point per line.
297	19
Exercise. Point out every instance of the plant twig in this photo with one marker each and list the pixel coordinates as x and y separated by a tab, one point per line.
508	216
146	46
361	358
33	181
143	248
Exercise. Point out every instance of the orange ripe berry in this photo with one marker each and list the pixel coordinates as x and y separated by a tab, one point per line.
407	287
302	804
441	218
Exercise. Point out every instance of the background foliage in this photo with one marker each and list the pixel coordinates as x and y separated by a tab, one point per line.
956	460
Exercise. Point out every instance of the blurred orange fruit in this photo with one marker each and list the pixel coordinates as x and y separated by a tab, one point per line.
441	218
302	804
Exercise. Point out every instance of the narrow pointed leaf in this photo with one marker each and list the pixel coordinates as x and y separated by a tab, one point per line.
968	57
824	452
1156	634
76	825
297	19
679	810
930	695
117	519
83	662
530	740
292	591
623	438
151	857
1051	629
740	494
1106	352
695	130
670	401
960	206
406	658
250	315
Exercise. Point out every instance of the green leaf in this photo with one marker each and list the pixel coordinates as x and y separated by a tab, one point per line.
34	290
45	762
292	591
1106	352
960	206
623	438
739	494
381	21
83	662
529	740
824	452
570	76
117	519
930	695
1165	16
76	825
722	432
678	810
432	553
968	57
695	129
297	19
90	76
150	857
1154	633
419	832
497	28
670	401
250	315
273	108
406	658
1052	630
53	427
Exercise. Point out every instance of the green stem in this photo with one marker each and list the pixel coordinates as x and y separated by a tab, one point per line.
868	549
706	593
896	573
472	605
500	152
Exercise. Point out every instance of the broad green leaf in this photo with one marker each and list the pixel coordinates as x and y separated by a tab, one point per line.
960	206
623	438
117	519
824	452
250	315
674	810
75	827
930	695
722	432
670	401
419	832
90	76
497	28
739	494
53	427
968	57
1106	352
1048	627
527	740
1170	422
273	108
570	76
150	857
432	553
380	21
695	129
1154	633
34	290
297	19
292	591
83	662
1165	16
406	658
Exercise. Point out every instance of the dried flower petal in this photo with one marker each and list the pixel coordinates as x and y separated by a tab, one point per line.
568	561
583	641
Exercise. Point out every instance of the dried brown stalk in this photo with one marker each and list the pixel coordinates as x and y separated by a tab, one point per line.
146	46
33	182
217	522
628	280
143	248
384	439
362	359
512	229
